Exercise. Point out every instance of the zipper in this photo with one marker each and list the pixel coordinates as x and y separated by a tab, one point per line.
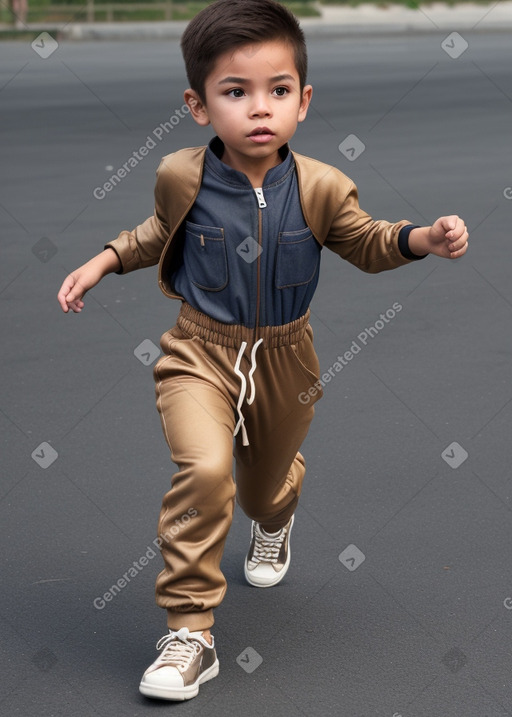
258	268
261	205
261	197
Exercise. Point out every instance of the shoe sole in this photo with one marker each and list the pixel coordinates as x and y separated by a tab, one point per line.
178	694
279	576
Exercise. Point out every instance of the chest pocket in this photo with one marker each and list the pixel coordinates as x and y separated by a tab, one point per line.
298	255
204	256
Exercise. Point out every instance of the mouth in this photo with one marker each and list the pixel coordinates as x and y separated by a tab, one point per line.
261	135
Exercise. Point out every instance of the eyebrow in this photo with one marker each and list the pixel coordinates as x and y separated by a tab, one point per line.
244	81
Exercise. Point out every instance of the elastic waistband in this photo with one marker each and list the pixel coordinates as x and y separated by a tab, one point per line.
194	323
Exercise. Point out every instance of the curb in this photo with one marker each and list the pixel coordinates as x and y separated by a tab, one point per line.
335	22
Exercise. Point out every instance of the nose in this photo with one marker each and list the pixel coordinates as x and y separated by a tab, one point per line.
260	106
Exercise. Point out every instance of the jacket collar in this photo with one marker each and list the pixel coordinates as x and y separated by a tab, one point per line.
227	174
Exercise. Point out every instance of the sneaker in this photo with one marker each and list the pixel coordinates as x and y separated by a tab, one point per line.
269	555
187	660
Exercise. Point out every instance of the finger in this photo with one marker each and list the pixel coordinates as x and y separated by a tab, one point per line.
458	231
76	293
70	291
450	225
65	289
460	252
76	306
61	298
459	240
73	294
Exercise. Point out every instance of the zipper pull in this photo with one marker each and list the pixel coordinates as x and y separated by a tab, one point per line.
261	199
202	241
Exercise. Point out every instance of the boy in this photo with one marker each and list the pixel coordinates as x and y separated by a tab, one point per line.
237	232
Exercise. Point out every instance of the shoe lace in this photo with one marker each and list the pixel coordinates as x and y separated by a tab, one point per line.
177	650
267	547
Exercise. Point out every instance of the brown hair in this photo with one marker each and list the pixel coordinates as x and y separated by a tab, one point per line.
229	24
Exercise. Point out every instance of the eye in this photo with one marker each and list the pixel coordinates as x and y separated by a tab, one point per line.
237	92
281	91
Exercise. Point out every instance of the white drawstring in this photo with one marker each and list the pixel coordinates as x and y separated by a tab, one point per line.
252	395
243	387
241	396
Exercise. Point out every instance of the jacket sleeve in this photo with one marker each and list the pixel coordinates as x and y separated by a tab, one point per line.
368	244
143	246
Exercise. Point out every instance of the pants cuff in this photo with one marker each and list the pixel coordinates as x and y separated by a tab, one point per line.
195	621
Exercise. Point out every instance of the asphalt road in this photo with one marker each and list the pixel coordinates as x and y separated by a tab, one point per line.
409	454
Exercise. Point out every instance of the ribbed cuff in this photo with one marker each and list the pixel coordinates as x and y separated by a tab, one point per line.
403	243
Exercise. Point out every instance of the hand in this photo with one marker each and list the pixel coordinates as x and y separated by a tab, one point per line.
74	287
448	237
81	280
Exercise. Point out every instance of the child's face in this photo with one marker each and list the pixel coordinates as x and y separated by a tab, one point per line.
253	102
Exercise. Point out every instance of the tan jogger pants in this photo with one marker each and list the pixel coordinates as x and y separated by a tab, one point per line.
213	381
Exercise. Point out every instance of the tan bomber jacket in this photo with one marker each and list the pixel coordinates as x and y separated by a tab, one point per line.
329	203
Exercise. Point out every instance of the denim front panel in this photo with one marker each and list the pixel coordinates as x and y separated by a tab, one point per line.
219	275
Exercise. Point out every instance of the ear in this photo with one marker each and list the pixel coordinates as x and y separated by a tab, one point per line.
197	107
307	93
